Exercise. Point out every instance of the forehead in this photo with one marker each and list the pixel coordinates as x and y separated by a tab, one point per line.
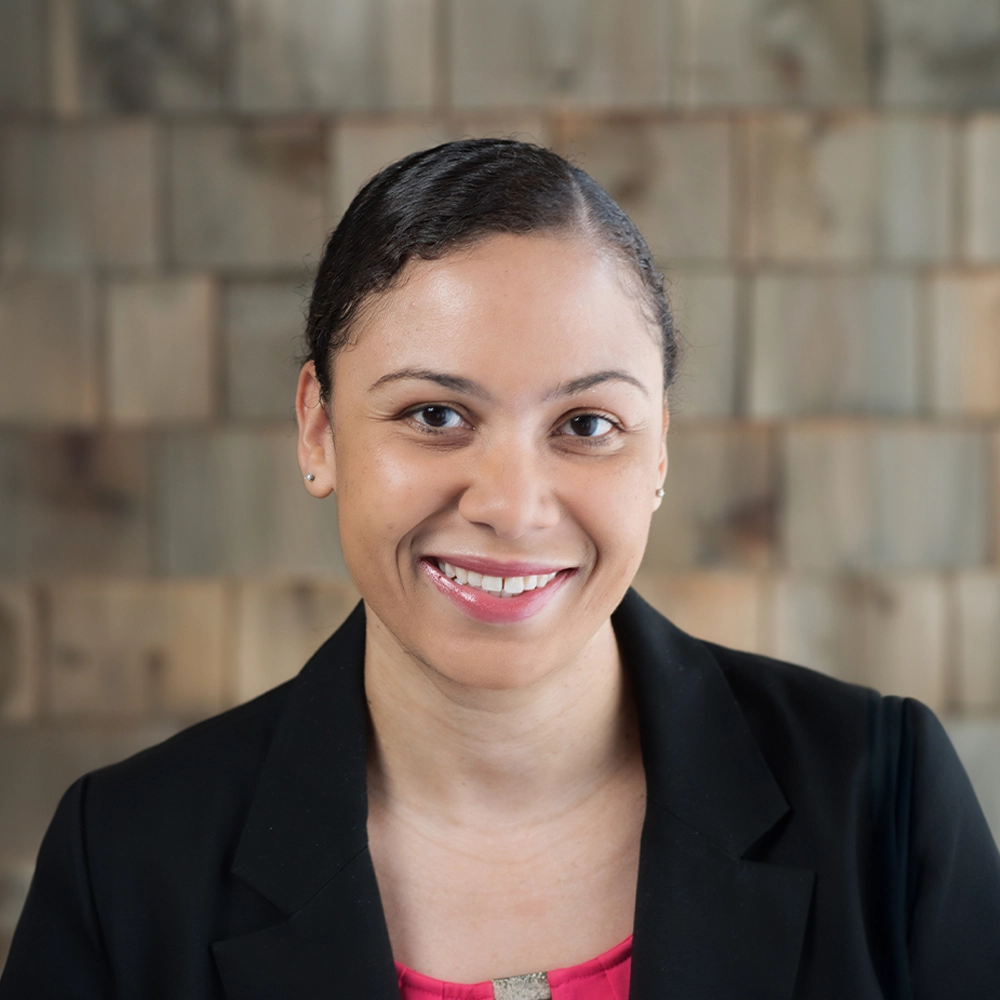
521	309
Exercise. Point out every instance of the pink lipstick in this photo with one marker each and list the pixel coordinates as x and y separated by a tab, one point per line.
473	585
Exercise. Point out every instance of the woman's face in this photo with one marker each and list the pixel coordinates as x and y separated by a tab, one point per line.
498	418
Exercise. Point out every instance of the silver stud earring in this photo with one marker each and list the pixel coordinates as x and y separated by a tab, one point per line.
660	492
309	477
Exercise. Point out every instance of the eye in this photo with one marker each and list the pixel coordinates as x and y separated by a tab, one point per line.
589	425
437	417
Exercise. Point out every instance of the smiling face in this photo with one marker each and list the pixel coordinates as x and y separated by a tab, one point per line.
499	417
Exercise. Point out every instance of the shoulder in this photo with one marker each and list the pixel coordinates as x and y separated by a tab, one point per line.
786	691
802	722
805	723
816	732
204	774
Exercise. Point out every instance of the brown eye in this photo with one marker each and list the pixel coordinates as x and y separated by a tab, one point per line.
438	417
589	425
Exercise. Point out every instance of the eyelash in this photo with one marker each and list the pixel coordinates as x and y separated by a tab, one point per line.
595	441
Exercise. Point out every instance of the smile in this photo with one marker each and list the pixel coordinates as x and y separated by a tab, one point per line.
507	586
492	598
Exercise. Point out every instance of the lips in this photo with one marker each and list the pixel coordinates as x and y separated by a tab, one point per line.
496	592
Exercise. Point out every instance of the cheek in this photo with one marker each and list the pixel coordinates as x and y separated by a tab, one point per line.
384	494
614	508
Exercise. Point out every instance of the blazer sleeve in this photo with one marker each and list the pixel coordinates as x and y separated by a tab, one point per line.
953	871
57	951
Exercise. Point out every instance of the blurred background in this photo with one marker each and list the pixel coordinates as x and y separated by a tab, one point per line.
820	179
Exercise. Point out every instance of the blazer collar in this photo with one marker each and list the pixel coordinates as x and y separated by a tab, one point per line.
708	923
304	846
309	814
702	763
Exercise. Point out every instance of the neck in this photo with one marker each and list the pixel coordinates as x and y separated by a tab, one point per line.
469	755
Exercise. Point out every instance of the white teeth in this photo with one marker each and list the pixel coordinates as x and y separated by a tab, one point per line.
498	586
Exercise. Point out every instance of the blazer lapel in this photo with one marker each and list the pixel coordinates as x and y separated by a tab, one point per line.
304	846
708	922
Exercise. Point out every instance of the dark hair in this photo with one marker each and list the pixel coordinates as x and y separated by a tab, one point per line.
447	198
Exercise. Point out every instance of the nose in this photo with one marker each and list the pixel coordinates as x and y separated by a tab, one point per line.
510	489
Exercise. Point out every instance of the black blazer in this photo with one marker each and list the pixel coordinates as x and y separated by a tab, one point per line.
795	845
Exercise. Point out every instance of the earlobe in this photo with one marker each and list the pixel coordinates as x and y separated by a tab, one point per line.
662	464
317	457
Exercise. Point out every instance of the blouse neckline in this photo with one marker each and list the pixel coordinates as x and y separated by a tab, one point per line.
607	969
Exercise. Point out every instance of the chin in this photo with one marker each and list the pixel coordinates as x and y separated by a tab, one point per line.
485	662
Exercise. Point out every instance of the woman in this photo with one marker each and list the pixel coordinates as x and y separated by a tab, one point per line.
505	769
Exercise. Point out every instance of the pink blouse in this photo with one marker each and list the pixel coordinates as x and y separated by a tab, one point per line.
603	978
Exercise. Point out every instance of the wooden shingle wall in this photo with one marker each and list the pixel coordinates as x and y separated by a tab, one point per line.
820	180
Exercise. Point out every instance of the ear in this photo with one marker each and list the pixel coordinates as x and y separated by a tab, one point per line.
661	468
317	456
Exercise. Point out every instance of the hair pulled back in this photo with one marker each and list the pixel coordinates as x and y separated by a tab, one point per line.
449	197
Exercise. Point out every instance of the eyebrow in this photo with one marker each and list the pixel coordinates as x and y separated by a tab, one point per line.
470	388
455	382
